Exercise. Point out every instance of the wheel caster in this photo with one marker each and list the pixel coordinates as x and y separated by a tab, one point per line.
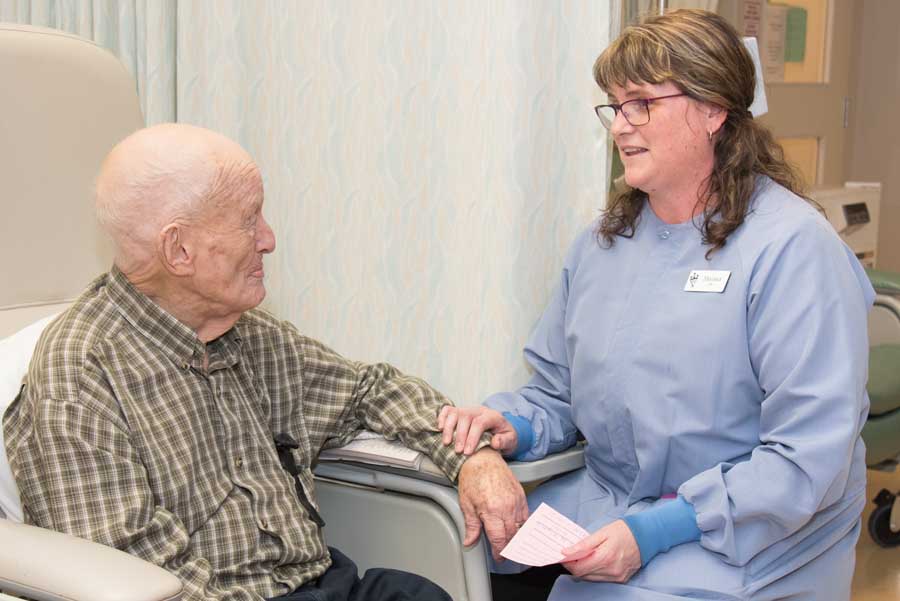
884	530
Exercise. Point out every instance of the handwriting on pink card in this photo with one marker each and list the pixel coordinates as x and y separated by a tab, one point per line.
540	540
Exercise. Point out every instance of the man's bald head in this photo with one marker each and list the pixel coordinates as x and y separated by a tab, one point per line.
170	173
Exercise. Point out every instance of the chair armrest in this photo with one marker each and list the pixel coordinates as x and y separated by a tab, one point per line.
884	282
551	465
49	566
430	484
365	474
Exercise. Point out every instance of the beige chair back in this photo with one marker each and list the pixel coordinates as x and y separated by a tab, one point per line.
65	103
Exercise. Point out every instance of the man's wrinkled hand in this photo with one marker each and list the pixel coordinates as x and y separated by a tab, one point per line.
608	555
465	425
489	494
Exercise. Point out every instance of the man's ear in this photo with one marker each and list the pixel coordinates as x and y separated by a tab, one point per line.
175	250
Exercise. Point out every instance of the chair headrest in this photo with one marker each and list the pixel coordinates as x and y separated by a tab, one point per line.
65	103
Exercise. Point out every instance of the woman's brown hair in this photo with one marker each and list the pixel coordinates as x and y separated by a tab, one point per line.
704	56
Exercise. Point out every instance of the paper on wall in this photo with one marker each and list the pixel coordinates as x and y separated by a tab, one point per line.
760	106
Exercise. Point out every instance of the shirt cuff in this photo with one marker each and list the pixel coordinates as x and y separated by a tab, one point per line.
524	434
449	461
662	527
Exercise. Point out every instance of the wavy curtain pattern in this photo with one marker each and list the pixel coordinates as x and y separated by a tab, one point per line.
140	32
426	164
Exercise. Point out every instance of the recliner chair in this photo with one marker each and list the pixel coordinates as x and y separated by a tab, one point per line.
65	103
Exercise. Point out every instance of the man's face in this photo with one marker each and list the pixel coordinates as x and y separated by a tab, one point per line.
233	237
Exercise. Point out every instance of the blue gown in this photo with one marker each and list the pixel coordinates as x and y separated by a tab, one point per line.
748	403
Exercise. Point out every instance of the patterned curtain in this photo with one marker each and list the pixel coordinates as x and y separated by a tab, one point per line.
427	165
140	32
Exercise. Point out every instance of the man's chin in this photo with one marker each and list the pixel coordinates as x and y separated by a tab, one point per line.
260	296
255	299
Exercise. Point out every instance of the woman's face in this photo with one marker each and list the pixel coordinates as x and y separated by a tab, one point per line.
672	153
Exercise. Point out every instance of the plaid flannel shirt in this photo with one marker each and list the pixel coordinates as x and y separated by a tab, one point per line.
122	437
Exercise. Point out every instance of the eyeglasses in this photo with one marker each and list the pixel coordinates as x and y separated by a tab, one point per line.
636	112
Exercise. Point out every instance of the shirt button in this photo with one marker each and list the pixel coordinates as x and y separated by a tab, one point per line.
239	462
185	365
264	523
664	235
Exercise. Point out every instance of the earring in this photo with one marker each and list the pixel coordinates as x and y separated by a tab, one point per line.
709	134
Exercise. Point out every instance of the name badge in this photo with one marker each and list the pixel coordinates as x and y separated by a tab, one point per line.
707	280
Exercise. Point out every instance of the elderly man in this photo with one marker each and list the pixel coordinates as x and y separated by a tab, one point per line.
166	416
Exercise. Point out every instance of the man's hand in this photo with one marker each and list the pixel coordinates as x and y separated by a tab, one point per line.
610	554
490	494
467	424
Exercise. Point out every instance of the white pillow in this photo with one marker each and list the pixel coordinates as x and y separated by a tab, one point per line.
15	355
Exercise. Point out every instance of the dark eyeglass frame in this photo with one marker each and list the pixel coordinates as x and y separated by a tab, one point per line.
617	108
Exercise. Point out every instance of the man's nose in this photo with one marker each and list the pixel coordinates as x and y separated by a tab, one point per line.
265	237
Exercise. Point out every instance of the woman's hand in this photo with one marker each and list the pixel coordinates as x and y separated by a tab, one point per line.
467	424
610	554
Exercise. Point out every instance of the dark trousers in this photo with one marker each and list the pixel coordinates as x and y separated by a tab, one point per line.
342	583
533	584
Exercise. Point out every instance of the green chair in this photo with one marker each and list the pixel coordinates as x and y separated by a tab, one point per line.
882	430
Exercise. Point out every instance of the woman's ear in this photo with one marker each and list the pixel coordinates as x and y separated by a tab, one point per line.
715	116
175	250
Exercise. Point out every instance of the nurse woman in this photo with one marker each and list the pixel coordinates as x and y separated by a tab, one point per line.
707	338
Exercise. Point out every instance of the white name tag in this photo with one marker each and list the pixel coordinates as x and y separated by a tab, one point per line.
707	280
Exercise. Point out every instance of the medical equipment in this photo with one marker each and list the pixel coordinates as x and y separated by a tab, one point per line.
853	210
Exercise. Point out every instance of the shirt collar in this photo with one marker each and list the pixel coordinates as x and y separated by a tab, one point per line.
164	330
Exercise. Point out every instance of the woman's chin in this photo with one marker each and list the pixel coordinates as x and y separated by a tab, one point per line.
634	180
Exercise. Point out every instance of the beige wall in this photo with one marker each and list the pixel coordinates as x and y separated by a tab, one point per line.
873	152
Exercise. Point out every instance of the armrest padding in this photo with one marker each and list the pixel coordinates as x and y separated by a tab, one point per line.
525	471
50	566
551	465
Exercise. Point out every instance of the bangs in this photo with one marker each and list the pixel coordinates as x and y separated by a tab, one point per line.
637	56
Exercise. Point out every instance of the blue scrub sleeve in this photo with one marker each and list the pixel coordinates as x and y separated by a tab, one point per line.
524	435
807	303
662	527
545	402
